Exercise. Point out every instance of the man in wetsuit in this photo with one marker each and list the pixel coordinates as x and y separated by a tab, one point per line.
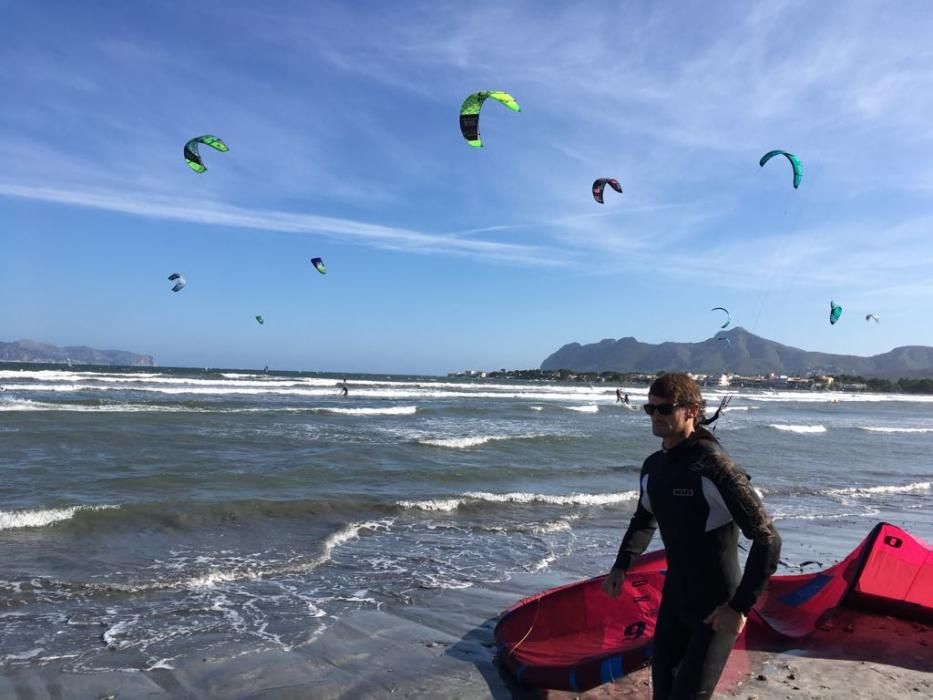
700	499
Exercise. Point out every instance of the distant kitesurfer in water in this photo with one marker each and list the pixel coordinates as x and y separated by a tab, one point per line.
344	390
618	395
691	480
626	401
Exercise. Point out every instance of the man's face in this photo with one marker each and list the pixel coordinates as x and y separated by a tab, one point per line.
677	422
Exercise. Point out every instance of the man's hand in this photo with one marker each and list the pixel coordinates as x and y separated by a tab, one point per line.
613	582
725	619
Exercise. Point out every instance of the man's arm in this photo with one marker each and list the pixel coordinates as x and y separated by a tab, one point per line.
749	514
639	533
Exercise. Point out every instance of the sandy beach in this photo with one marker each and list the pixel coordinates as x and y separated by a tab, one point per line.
441	646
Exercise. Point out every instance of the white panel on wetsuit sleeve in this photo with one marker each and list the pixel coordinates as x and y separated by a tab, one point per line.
719	514
645	501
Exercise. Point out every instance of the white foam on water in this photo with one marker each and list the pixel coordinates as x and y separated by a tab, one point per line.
536	408
542	564
474	440
562	525
22	656
251	571
444	505
574	499
885	429
589	408
861	491
30	405
385	411
803	429
778	515
15	519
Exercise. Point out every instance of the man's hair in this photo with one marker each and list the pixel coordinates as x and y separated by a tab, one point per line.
679	388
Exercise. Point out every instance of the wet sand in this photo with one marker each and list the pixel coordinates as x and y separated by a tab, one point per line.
441	646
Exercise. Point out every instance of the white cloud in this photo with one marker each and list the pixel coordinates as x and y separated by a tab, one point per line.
216	214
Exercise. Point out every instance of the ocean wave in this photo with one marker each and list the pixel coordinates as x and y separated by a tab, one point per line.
779	515
479	497
474	440
862	491
798	428
884	429
292	388
250	572
17	519
195	515
589	408
31	405
385	411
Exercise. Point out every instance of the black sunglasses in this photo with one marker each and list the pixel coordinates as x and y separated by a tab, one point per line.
665	409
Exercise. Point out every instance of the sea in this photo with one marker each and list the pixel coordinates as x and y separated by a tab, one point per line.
150	515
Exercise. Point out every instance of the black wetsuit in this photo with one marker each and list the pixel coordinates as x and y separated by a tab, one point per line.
700	499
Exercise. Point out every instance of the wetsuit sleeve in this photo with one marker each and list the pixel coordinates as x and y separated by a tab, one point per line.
640	530
749	514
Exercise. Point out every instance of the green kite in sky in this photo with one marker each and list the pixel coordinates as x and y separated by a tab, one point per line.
835	311
193	157
469	113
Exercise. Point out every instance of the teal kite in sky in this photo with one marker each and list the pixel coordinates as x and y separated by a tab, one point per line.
600	185
319	265
193	157
835	311
469	113
794	161
261	320
728	317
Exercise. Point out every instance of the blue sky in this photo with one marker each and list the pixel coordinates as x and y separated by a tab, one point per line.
344	143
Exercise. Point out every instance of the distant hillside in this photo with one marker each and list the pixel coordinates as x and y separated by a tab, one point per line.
747	354
33	351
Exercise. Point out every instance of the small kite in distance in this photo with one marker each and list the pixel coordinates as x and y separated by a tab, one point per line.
319	265
179	281
871	317
261	320
726	311
835	311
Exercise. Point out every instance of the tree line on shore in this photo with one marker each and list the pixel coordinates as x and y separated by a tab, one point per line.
887	386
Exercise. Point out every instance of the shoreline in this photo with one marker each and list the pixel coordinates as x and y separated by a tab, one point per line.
442	646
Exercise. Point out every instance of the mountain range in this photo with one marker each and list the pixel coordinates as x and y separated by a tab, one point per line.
745	353
34	351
